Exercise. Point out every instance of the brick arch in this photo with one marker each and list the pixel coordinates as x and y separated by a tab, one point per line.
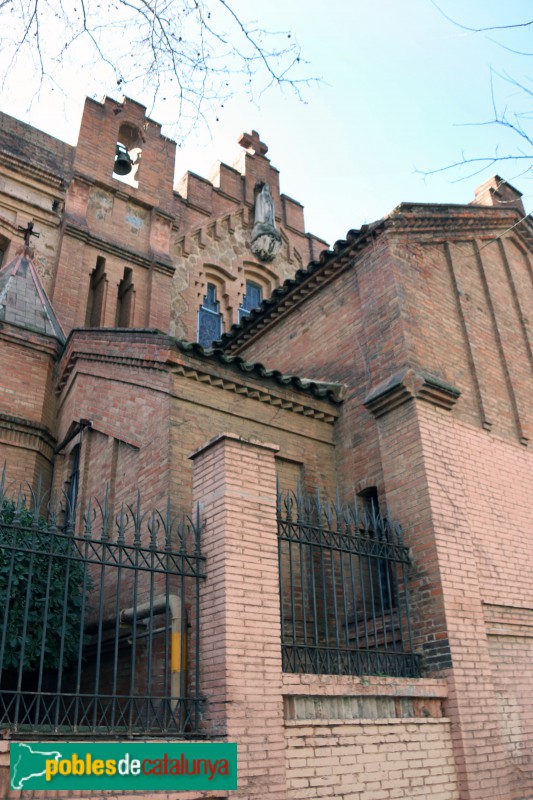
264	277
222	278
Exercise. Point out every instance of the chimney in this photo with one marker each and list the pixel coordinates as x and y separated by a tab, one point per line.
497	192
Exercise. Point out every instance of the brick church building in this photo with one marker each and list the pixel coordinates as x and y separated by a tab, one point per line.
193	343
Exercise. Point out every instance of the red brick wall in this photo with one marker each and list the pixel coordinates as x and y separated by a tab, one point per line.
235	481
131	388
26	395
367	737
511	651
457	480
27	359
338	335
152	284
377	758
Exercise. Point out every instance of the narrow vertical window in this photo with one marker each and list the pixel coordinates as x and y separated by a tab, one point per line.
73	487
252	299
125	298
383	577
97	292
209	318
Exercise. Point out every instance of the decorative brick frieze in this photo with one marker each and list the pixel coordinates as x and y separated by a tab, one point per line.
256	394
29	435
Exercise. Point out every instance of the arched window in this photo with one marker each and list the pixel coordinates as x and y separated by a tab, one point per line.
128	155
252	299
97	293
125	300
209	318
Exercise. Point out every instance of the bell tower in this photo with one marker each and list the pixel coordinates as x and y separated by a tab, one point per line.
115	267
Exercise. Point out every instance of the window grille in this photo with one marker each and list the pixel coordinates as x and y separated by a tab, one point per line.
99	628
343	590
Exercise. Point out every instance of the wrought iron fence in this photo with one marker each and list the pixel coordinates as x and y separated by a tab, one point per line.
99	628
343	587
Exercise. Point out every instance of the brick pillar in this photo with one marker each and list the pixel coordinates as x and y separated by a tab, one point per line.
482	766
235	482
421	452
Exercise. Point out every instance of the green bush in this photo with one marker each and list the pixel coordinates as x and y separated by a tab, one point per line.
51	574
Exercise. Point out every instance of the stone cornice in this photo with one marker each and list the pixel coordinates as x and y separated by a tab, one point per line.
458	221
408	384
105	358
27	434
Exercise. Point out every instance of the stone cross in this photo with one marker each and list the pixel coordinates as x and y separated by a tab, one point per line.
251	141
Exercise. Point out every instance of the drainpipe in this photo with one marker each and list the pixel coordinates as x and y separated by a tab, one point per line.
159	606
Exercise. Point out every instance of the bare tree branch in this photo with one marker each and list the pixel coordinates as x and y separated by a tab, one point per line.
193	53
509	49
482	29
507	113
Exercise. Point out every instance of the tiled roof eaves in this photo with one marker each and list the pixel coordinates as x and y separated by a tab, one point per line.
330	392
333	392
317	269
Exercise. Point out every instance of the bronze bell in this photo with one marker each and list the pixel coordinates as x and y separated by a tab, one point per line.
123	162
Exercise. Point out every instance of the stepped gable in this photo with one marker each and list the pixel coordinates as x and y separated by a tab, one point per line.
23	301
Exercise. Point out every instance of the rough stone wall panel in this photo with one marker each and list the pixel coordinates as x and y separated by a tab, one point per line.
220	253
